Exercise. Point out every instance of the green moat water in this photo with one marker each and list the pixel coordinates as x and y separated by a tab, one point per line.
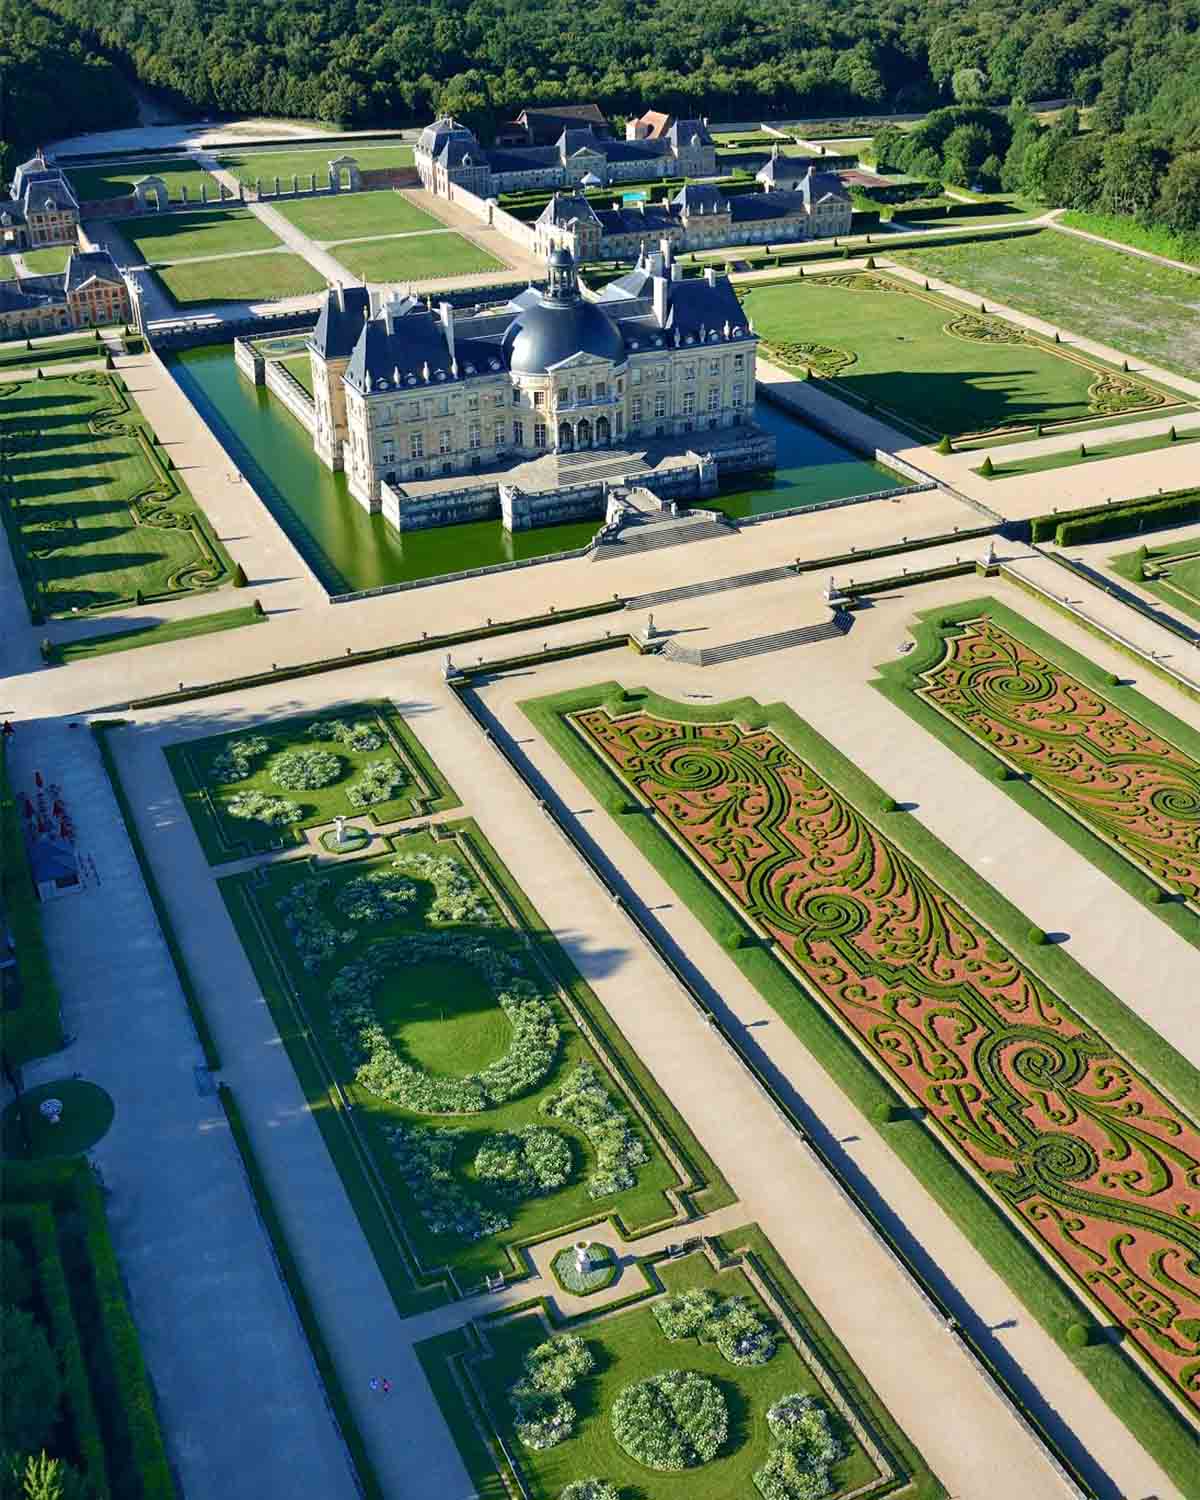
349	549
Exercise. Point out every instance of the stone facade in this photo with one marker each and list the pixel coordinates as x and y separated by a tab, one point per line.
696	218
448	153
405	393
90	293
41	208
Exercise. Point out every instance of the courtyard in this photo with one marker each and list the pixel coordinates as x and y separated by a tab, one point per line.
344	215
199	232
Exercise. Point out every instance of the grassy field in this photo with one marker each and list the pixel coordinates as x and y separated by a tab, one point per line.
889	343
1131	304
345	214
299	366
93	514
1172	573
119	181
417	257
1093	453
440	1014
1127	231
155	635
249	166
208	231
250	278
419	787
48	262
8	271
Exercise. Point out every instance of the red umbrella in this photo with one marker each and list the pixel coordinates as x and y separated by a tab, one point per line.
37	776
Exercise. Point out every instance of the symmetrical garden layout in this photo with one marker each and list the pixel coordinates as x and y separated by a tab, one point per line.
1096	1163
869	334
494	1103
95	514
719	1386
1130	785
1171	571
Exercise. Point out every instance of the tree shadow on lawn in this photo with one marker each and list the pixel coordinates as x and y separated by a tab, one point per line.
26	469
9	404
965	400
30	513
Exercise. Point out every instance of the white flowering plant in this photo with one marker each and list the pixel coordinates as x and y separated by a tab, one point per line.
305	770
584	1102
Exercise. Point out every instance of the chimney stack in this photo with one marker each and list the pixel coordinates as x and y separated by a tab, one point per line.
341	297
710	276
446	313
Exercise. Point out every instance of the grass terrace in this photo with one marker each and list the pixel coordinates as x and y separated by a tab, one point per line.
415	257
119	181
342	215
483	1116
1171	572
1086	453
299	366
261	788
248	166
247	278
45	352
1120	300
868	335
154	634
207	231
755	1409
49	262
95	511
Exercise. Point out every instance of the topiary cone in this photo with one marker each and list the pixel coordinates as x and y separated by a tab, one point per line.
944	444
987	468
239	577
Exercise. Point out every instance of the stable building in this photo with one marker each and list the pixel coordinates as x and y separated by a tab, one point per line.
41	208
90	293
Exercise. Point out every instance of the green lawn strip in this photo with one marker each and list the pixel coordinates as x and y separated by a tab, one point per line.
343	215
423	789
15	355
94	184
417	257
8	272
95	510
866	337
154	635
191	995
1132	1394
483	1466
31	1016
628	1346
250	166
1081	425
1120	300
301	1301
246	278
48	262
1127	231
1069	457
898	680
204	231
1180	588
135	1458
299	367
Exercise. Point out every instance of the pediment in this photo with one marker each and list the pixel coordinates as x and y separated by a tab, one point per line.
578	361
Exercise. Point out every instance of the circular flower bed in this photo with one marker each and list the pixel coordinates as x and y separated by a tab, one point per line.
236	761
676	1420
305	770
274	811
590	1489
353	839
526	1164
601	1272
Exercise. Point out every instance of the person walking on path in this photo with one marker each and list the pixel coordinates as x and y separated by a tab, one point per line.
387	1387
374	1382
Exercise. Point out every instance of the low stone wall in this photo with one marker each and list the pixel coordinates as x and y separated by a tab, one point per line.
577	502
229	330
479	502
248	360
389	177
281	382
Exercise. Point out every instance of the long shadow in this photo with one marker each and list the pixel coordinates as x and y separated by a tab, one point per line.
1021	1380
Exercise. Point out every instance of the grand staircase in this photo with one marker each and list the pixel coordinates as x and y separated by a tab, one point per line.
709	586
670	531
802	635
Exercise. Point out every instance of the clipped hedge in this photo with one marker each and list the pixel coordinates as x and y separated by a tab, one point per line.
1095	522
34	1028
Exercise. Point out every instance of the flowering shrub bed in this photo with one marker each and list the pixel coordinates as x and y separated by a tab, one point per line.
357	736
542	1415
425	1159
378	781
377	897
305	770
671	1421
525	1163
797	1467
315	937
456	896
274	811
735	1326
236	761
590	1489
584	1102
381	1069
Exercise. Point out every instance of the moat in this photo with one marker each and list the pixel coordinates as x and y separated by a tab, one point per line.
349	549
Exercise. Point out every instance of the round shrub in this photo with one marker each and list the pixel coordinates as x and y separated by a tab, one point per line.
1078	1336
375	898
541	1420
274	811
590	1489
1112	679
672	1421
525	1163
888	805
1036	935
1001	773
357	736
305	770
559	1364
378	781
236	761
1155	895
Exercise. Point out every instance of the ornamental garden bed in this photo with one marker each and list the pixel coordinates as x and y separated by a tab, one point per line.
602	1270
766	830
940	367
454	1025
261	787
699	1393
96	514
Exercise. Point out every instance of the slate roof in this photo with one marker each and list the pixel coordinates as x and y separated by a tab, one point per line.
546	123
817	186
780	171
83	267
695	305
338	326
565	209
15	297
648	218
456	153
522	158
444	129
700	200
418	340
48	194
682	131
581	139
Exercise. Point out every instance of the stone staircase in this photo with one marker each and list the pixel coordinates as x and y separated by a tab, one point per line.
712	586
802	635
597	464
670	531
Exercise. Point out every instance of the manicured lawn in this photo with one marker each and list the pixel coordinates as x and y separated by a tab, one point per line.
249	166
629	1347
249	278
436	982
1127	231
1092	453
119	181
48	262
416	257
87	1112
419	786
939	367
300	367
343	215
7	269
1121	300
93	514
155	635
1172	572
207	231
46	352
